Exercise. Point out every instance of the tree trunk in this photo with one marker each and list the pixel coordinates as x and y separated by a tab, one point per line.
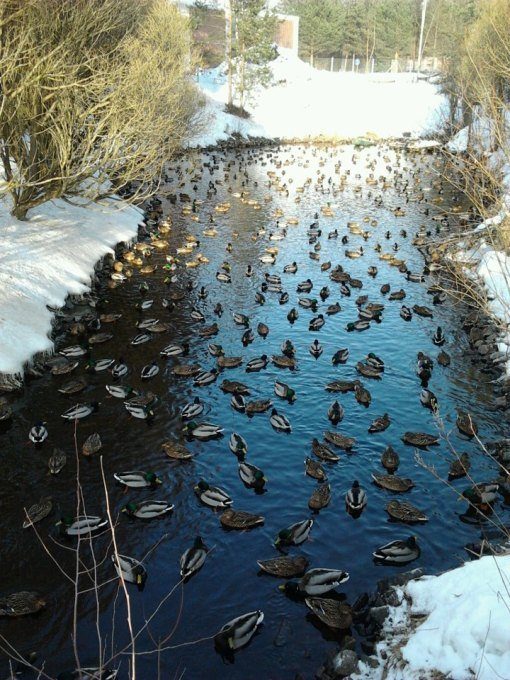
228	49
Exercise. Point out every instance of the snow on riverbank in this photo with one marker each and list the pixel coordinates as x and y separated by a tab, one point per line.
305	102
46	258
465	632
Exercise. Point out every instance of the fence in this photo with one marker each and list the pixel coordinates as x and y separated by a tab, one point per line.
357	64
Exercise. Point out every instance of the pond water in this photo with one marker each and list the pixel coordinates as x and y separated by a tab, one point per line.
291	640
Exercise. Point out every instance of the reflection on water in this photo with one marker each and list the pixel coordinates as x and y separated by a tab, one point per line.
291	639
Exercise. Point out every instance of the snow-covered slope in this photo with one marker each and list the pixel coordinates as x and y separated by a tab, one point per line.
305	102
46	258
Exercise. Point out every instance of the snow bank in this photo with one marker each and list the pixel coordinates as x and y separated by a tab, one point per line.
466	632
305	102
46	258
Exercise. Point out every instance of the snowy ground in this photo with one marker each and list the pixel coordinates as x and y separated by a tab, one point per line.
46	258
466	630
305	102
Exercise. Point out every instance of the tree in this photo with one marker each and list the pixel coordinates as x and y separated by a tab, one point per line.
320	25
90	91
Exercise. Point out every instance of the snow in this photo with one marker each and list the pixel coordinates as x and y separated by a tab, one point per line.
44	259
465	632
304	102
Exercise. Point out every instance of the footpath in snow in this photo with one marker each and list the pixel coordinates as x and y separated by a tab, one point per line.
304	102
44	259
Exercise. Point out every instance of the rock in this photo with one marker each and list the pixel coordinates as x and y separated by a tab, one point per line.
370	661
367	646
349	643
391	598
379	614
345	663
398	580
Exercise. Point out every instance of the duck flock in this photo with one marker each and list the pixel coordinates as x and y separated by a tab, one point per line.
240	306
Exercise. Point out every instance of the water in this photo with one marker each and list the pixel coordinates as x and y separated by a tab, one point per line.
291	640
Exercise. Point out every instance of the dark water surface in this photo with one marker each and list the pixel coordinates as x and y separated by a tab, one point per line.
228	585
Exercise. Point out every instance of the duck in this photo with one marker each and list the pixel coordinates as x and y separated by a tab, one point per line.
295	534
147	509
481	496
304	286
429	399
293	315
240	520
362	395
56	461
192	409
290	268
223	277
176	451
438	338
119	369
202	431
240	319
251	475
137	479
393	483
215	350
374	361
335	308
420	439
38	512
141	338
340	356
92	444
82	525
130	570
238	403
71	387
316	349
73	351
316	323
21	604
192	559
283	391
360	325
466	425
284	566
237	444
282	361
320	497
139	411
279	421
398	552
175	350
390	460
238	632
205	377
316	582
368	371
79	411
288	348
405	512
380	424
406	313
212	496
323	452
257	364
121	391
234	387
355	499
149	371
38	433
258	406
248	337
459	467
262	330
332	613
443	358
335	413
315	470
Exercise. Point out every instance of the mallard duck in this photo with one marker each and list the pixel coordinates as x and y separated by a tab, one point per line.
130	570
335	308
315	349
316	323
202	431
429	399
380	423
262	330
21	604
324	292
205	377
237	444
149	371
215	350
212	496
314	469
320	497
339	440
92	444
438	338
390	460
79	411
100	365
393	483
374	361
355	499
238	403
288	349
56	461
295	534
192	410
38	433
137	479
425	312
64	367
482	495
397	295
251	475
341	386
406	313
279	421
290	268
119	369
385	288
73	386
316	582
465	424
420	439
147	509
443	358
258	406
141	338
209	331
238	632
304	286
257	364
331	612
248	337
308	303
335	413
175	350
293	315
260	300
193	558
241	319
37	512
176	451
81	525
238	519
282	361
186	370
121	391
368	371
284	566
398	552
323	452
234	387
73	351
223	277
340	356
362	395
405	512
283	391
459	467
